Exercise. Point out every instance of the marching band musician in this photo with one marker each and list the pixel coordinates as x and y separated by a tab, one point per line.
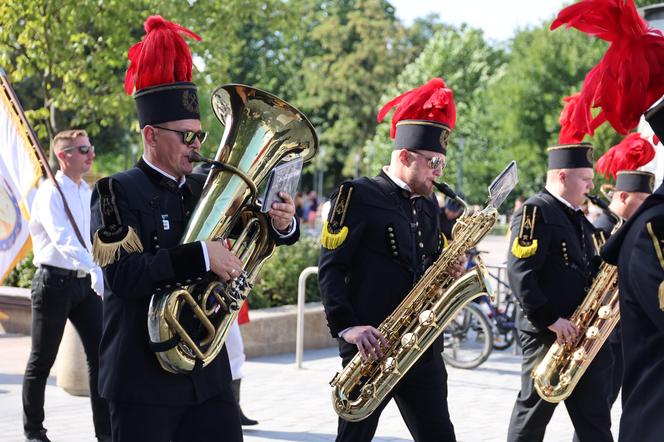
631	189
550	268
138	219
637	249
380	237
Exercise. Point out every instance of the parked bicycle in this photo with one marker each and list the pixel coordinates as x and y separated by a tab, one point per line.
481	326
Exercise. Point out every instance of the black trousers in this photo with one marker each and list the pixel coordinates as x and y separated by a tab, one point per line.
615	344
421	397
57	297
216	419
588	405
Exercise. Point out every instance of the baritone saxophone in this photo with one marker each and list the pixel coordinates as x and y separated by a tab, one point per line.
424	313
556	376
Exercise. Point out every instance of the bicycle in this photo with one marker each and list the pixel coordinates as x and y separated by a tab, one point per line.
468	338
471	337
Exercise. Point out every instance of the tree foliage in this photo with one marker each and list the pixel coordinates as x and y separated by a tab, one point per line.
467	63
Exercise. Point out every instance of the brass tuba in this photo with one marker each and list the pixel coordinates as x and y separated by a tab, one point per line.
563	365
260	131
420	318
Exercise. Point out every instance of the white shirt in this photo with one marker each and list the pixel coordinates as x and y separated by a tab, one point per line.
53	238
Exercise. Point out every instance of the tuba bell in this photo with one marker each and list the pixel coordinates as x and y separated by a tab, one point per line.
188	326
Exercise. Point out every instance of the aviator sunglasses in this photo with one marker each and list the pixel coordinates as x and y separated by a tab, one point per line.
82	149
432	162
188	136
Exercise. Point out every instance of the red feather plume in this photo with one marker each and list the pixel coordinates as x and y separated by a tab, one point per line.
162	57
628	78
631	153
570	133
433	101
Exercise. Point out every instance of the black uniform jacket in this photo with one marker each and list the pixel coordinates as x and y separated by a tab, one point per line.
158	210
392	239
551	282
637	250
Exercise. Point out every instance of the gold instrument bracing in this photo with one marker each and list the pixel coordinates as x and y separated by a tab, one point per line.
556	376
419	319
260	131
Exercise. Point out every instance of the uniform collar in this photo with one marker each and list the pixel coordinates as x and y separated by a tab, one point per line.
406	190
180	183
158	176
563	200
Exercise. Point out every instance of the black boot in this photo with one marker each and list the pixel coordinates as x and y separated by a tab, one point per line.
244	420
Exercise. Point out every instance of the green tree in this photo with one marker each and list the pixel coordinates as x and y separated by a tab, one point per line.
359	48
67	60
525	104
468	64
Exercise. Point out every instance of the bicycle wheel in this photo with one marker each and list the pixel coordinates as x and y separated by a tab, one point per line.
468	338
504	332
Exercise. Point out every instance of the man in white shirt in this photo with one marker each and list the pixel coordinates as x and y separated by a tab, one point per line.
65	283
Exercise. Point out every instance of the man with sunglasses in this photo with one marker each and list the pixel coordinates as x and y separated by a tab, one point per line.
380	237
139	217
65	283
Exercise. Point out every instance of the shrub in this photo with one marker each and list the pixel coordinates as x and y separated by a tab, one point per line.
277	281
22	274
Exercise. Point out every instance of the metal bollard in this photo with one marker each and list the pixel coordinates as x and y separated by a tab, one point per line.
299	338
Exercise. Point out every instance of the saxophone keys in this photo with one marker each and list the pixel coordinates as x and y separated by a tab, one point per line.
579	355
427	318
390	366
409	340
593	332
604	312
368	391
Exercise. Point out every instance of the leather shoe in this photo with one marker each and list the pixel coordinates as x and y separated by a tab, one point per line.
37	437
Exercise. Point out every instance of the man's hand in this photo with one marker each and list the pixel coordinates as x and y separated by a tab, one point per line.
222	261
459	268
566	331
368	340
97	281
282	213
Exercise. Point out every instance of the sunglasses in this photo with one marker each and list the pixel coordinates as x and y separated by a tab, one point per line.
432	162
188	136
82	149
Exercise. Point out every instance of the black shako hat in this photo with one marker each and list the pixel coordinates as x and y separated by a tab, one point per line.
424	117
635	181
161	71
570	156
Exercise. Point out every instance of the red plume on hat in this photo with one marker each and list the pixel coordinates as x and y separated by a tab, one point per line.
628	78
162	56
570	133
631	153
433	101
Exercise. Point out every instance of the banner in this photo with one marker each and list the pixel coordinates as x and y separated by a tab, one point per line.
20	174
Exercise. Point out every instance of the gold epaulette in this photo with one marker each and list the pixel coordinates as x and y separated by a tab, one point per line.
113	236
525	245
653	230
334	231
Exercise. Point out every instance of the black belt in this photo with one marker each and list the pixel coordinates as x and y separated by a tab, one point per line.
65	272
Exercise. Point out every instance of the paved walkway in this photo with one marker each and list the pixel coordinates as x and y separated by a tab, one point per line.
294	405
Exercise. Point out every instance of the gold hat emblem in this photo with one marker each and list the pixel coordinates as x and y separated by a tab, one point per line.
444	138
190	101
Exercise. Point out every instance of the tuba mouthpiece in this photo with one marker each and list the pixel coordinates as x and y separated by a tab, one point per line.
195	157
